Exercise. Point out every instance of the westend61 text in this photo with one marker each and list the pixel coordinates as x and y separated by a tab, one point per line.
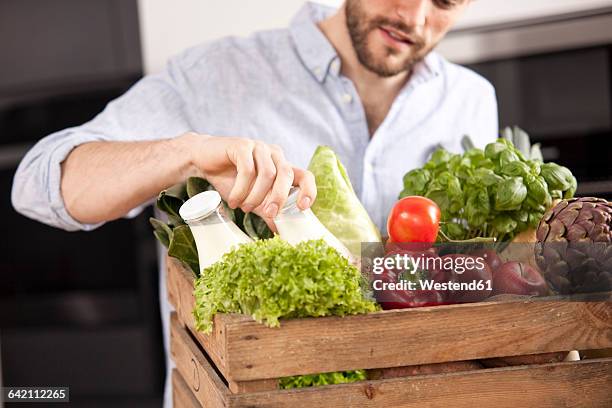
432	285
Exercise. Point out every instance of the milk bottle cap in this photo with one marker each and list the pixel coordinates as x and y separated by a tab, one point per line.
200	205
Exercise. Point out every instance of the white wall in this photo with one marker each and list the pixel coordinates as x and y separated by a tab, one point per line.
167	27
485	12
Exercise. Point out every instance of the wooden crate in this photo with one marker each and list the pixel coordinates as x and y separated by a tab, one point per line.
239	363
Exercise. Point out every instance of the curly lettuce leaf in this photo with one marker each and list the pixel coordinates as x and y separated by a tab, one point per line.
317	380
271	279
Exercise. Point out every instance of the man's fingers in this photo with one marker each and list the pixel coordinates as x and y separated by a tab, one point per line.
266	174
308	188
270	223
282	184
246	172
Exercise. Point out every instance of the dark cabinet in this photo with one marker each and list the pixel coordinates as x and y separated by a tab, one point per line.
51	47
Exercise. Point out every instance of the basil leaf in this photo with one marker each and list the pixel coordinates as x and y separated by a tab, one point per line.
515	169
477	207
506	157
493	150
538	191
415	182
504	224
509	194
486	177
557	177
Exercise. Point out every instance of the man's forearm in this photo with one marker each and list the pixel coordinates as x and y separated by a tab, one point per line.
102	181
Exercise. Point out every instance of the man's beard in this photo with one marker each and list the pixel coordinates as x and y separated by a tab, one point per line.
359	27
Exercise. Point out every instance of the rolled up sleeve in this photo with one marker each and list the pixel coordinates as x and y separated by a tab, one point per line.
154	108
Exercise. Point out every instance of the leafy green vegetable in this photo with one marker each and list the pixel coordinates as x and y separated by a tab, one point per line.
316	380
509	194
162	231
176	236
271	279
256	227
197	185
337	206
170	200
183	247
496	192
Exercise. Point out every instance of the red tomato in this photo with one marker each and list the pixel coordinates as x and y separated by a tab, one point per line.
414	219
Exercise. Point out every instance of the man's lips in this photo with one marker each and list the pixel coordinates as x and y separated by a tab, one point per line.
394	36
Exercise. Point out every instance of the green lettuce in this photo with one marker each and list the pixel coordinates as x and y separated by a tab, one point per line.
270	279
316	380
337	205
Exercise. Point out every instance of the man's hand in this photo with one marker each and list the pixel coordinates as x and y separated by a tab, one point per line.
249	174
102	181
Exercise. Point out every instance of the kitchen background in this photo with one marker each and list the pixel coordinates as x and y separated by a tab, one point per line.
80	309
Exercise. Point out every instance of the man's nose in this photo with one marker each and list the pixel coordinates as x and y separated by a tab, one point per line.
413	12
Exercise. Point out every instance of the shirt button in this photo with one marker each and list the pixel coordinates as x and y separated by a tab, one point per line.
317	70
369	168
347	98
335	66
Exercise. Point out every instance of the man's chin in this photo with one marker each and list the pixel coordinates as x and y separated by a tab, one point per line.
387	63
388	69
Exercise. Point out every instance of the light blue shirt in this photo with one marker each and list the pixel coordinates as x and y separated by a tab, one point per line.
284	87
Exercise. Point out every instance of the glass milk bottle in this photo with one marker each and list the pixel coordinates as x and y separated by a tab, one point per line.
295	225
214	233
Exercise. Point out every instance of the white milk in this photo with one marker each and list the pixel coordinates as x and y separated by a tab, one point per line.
304	226
214	240
214	233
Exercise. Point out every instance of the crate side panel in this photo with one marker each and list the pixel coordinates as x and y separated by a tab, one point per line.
182	397
201	378
554	385
414	337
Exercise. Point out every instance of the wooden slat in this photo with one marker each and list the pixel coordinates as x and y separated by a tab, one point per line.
250	351
201	378
575	384
180	284
417	336
241	387
181	394
578	384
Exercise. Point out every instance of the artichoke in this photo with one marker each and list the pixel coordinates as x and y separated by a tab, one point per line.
574	247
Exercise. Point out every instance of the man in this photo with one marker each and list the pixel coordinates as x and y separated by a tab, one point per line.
362	79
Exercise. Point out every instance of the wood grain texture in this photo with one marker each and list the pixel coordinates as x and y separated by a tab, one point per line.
575	384
201	378
241	387
247	350
180	284
181	394
578	384
417	336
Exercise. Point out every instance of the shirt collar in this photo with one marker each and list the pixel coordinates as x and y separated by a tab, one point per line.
313	47
426	69
317	53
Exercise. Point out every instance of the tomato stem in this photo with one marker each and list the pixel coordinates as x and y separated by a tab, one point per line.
477	240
